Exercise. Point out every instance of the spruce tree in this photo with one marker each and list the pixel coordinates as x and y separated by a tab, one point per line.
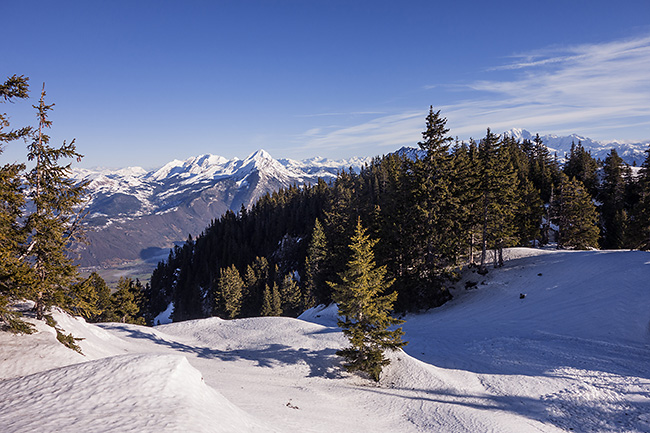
639	236
13	270
271	302
124	303
612	196
290	296
365	308
497	185
315	287
577	217
229	293
436	201
55	222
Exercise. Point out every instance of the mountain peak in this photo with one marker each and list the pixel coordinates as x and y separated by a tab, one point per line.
259	155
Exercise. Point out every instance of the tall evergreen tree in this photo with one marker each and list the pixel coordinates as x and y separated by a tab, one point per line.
612	196
639	235
271	301
89	298
366	308
56	220
437	204
290	296
314	287
12	235
497	186
230	293
577	217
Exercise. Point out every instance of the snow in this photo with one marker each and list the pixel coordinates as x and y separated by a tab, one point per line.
630	151
166	316
572	355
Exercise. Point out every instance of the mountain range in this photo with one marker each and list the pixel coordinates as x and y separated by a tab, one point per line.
135	216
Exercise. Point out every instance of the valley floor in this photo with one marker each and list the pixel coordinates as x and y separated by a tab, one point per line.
572	354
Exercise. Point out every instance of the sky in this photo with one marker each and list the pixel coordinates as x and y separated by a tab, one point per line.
140	83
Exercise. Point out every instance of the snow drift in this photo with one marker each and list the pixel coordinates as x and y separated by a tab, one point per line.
572	354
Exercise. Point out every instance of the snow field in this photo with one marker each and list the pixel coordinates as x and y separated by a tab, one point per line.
572	355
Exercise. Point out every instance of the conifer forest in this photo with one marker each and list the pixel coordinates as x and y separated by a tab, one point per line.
452	205
428	214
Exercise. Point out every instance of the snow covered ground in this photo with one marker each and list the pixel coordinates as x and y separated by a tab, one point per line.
573	354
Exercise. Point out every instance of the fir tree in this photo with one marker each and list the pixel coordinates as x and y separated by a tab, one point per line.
124	303
229	293
271	301
55	222
639	236
290	296
13	270
437	204
314	288
83	299
576	217
366	308
612	196
497	185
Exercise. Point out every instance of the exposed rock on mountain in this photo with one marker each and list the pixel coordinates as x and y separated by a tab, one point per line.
136	214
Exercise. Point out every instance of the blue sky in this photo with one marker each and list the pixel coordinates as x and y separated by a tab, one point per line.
145	82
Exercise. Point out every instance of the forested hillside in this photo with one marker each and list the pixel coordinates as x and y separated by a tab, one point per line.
432	213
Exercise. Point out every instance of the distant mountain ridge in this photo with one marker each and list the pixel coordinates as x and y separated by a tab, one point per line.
138	214
630	152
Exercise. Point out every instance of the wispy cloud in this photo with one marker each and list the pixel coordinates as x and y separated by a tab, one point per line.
599	90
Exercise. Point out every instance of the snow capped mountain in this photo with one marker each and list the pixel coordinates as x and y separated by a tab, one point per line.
630	152
135	214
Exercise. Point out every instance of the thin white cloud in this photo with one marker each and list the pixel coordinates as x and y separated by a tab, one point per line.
598	90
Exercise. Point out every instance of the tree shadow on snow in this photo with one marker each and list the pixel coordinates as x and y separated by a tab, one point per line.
321	363
561	410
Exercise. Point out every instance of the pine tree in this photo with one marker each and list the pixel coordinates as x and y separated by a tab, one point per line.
55	222
124	303
314	288
229	293
290	296
437	204
83	299
271	302
639	236
366	308
497	185
577	217
612	196
12	235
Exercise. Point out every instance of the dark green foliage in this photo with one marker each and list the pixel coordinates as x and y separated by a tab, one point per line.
581	166
433	214
576	217
639	233
271	301
55	222
614	216
498	186
89	298
40	214
365	307
127	303
68	340
290	296
315	289
12	199
230	292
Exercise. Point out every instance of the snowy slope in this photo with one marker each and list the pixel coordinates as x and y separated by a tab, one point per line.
572	355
